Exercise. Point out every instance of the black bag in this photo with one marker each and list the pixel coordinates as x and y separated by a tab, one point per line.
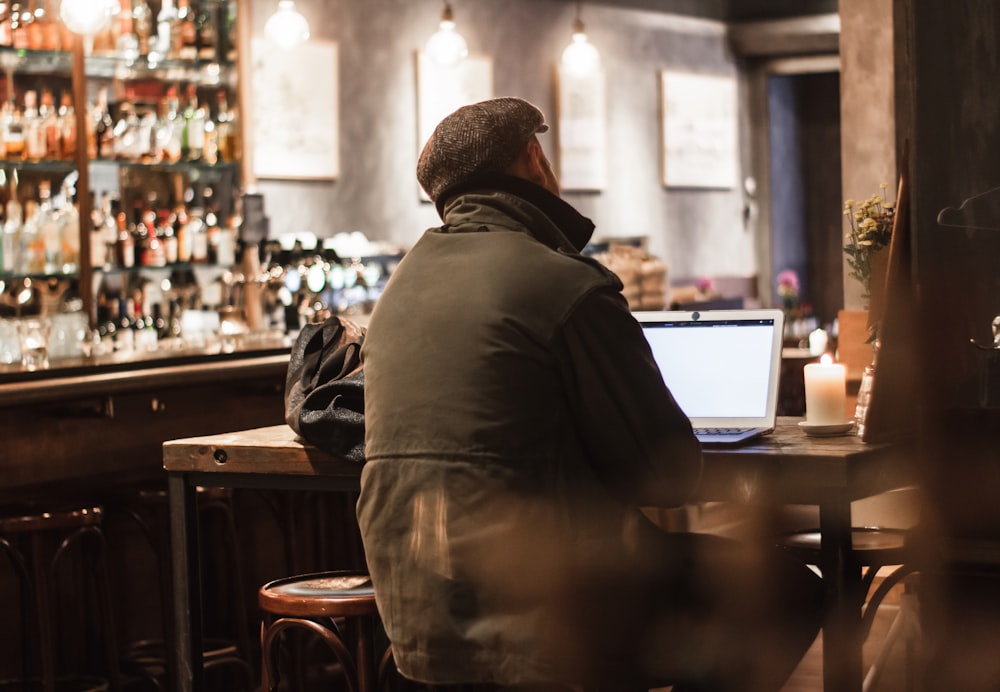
325	388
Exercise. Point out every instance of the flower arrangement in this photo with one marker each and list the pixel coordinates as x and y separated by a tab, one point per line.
788	289
870	231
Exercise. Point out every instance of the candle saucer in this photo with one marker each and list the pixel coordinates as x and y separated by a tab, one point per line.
825	429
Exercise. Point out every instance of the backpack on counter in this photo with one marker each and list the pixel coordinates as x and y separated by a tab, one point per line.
325	388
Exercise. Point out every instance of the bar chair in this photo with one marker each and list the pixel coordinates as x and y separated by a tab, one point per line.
45	549
339	608
872	548
147	508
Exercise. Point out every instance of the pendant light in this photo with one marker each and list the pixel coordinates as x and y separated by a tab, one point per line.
580	58
446	46
88	17
286	27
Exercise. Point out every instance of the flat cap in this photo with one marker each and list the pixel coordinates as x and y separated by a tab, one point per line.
484	136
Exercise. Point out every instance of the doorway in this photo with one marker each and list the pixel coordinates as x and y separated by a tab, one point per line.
804	171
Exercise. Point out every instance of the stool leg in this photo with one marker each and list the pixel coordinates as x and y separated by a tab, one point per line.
43	606
364	658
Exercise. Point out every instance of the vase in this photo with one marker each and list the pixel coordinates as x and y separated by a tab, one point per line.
865	392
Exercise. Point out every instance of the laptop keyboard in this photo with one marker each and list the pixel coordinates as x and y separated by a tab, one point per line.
719	431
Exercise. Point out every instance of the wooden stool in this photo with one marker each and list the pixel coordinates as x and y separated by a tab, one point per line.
872	548
147	507
39	545
339	607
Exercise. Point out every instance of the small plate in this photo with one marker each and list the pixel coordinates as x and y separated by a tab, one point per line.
825	429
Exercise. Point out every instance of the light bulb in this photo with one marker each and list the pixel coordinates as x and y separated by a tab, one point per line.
286	27
88	17
580	58
446	46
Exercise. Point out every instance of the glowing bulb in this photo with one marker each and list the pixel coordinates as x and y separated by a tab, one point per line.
88	17
286	27
446	46
580	58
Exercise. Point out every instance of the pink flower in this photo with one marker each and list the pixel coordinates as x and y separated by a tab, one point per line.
788	283
704	285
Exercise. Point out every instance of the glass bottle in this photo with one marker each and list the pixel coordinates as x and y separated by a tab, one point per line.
51	126
12	256
32	241
69	229
13	131
193	141
207	32
166	20
67	126
142	25
185	34
5	37
104	134
34	133
18	27
125	244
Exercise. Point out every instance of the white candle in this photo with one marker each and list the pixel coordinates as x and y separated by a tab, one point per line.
826	392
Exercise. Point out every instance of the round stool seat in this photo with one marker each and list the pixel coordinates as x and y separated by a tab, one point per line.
338	607
324	594
50	521
870	545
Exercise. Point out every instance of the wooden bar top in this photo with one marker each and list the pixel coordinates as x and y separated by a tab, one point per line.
273	450
787	463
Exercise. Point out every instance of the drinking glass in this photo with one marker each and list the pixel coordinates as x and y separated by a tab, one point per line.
33	335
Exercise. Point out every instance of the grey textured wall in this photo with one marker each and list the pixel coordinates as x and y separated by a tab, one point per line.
698	232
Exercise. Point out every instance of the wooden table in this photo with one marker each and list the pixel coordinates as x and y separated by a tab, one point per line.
784	467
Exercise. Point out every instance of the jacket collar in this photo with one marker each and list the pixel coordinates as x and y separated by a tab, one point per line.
547	217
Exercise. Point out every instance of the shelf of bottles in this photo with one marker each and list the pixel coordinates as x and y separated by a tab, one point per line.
163	148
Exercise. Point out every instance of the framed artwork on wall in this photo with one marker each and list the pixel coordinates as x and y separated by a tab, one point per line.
295	111
443	89
699	130
581	130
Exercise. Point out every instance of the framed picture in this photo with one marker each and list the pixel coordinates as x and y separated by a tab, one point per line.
443	89
581	130
699	130
295	111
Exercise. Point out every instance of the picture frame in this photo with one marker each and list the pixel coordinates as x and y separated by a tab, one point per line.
295	129
581	130
699	130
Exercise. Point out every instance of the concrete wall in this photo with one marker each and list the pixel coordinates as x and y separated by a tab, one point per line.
698	232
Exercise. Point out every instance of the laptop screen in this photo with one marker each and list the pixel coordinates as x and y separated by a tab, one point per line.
721	366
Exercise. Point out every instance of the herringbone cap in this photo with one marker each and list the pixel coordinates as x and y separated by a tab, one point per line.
485	136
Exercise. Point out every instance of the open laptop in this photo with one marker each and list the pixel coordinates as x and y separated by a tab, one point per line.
722	367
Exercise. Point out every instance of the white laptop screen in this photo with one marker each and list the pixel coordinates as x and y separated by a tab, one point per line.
716	368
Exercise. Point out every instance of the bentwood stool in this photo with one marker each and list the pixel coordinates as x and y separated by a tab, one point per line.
60	559
872	548
148	508
338	607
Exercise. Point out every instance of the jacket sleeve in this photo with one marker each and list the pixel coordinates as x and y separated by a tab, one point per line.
636	438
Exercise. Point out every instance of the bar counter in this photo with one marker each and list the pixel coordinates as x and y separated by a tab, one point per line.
93	421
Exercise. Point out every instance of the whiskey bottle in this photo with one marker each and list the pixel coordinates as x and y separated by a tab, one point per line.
142	25
34	133
185	34
67	126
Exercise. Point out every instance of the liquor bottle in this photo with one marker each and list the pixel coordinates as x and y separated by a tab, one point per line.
230	141
193	141
67	126
32	26
207	33
12	258
13	131
142	25
32	241
5	37
51	126
50	28
126	43
165	234
98	248
47	226
68	217
169	129
125	244
34	134
198	236
18	27
182	231
185	34
166	19
104	133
